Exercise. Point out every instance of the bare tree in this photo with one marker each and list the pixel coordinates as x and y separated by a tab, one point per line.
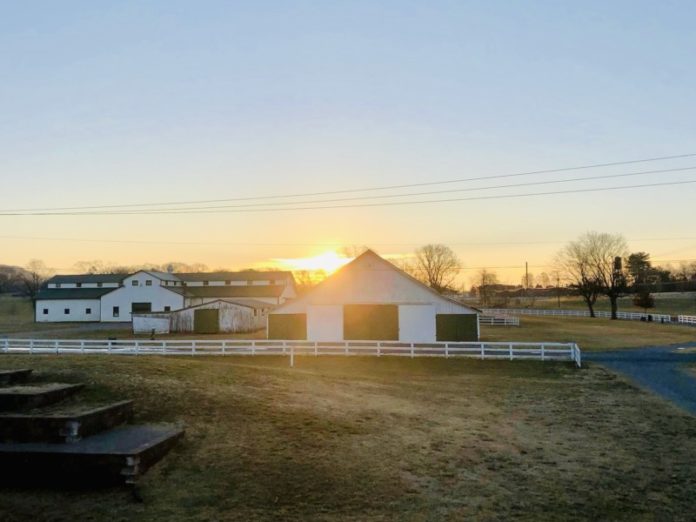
484	281
574	263
35	275
594	264
437	265
607	254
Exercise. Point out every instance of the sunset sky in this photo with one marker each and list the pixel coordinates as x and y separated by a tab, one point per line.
122	103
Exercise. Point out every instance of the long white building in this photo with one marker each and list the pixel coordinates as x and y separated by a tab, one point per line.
114	297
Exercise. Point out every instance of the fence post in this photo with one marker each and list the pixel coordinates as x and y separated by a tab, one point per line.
223	347
542	351
137	347
292	356
413	353
6	342
345	347
193	348
57	346
109	347
446	350
316	348
483	351
253	348
82	347
31	346
510	347
379	349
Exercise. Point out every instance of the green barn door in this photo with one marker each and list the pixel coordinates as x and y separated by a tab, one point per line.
206	321
371	322
456	327
291	327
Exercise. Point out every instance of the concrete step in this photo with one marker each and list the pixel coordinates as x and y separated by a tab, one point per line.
69	424
35	395
118	455
8	377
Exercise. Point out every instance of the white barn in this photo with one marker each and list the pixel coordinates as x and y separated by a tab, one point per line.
115	297
371	299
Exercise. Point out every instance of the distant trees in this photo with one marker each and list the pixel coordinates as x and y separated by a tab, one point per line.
644	299
484	286
437	265
575	263
34	276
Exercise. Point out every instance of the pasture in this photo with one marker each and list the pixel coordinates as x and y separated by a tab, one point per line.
384	439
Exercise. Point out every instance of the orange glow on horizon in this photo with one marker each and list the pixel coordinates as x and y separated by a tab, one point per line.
327	262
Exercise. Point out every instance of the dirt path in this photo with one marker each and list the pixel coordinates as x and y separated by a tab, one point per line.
660	369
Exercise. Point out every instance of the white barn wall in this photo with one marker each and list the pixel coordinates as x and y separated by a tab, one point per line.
325	323
158	295
233	318
56	310
417	323
143	323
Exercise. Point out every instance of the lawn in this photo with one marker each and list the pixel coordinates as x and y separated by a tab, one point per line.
591	334
667	303
384	439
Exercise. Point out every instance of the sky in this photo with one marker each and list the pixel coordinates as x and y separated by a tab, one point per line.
149	102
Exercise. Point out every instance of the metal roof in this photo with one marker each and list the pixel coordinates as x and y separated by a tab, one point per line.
244	275
72	293
87	278
223	292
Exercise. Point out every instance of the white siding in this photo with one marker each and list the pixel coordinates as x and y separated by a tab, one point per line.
417	323
77	307
124	297
145	324
325	323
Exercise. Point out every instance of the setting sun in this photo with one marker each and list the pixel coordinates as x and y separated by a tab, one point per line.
328	262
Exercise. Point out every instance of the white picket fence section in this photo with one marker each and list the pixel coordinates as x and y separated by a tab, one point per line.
480	350
631	316
687	319
499	320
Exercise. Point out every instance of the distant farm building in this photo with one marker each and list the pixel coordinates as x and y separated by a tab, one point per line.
209	318
115	297
371	299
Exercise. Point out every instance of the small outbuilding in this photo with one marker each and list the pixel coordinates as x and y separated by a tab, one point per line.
371	299
218	316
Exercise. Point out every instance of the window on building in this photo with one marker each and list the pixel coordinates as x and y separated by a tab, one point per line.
228	282
45	311
99	285
205	283
134	282
88	311
78	285
57	285
66	311
167	308
115	311
148	282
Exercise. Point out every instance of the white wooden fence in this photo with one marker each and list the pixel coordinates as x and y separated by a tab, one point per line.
499	320
687	319
480	350
633	316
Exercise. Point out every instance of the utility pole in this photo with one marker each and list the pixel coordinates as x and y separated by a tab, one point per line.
526	283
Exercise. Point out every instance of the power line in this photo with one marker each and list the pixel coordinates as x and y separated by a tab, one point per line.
324	244
366	189
356	205
361	198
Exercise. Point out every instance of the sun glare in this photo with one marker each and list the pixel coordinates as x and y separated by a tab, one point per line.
329	262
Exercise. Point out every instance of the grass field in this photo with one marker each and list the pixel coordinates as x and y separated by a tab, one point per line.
384	439
672	304
591	334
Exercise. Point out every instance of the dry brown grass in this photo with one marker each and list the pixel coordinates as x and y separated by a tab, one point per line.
591	334
384	439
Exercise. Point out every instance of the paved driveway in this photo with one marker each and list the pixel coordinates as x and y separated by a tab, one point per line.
660	369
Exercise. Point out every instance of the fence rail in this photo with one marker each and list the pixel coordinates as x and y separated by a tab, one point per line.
480	350
632	316
687	319
499	320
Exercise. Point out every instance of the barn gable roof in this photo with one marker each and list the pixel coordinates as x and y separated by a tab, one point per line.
353	268
46	294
